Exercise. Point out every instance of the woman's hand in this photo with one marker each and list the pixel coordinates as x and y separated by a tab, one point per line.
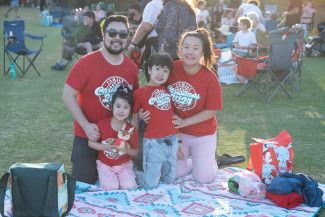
144	115
179	122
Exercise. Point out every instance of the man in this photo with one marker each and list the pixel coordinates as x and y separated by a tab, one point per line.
94	79
135	17
90	36
14	4
146	28
250	6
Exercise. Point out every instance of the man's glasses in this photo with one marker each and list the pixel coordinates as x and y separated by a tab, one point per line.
123	34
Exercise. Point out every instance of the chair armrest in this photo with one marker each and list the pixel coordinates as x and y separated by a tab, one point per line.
35	37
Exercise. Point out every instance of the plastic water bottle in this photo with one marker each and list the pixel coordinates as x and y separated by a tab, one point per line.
13	73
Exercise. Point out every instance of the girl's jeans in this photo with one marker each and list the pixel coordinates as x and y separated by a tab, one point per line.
159	161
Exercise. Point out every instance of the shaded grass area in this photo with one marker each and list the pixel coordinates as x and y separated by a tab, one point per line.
36	127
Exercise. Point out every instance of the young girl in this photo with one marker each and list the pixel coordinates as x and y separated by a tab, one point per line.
115	171
160	143
244	39
196	97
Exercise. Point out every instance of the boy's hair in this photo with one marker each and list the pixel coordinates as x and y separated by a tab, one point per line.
123	92
116	18
159	59
246	21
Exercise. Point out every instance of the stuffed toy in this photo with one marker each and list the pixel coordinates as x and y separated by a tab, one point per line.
120	144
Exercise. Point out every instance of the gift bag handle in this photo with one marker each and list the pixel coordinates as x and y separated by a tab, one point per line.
3	187
71	191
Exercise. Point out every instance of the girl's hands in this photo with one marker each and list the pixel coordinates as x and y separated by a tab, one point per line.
179	122
144	115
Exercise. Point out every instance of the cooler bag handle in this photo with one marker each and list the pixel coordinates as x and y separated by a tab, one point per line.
71	191
17	195
3	186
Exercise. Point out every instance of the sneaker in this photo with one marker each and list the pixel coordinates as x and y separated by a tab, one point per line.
227	159
58	67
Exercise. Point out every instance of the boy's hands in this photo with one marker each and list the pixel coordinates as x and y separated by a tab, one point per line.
180	152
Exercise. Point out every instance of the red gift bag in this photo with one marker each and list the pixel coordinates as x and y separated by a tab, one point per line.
270	157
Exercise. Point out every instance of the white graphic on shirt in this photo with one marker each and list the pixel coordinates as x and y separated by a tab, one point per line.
108	88
160	99
183	95
108	153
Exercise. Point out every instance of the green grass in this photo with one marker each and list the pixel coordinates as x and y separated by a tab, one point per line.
36	127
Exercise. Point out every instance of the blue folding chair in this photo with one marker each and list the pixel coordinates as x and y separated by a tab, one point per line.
14	47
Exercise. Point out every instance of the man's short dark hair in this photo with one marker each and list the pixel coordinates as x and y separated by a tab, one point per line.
136	6
89	14
116	18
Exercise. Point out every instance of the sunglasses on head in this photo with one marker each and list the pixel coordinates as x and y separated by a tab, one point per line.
123	34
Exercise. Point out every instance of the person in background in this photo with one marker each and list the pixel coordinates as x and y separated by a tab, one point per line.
308	12
90	35
293	14
146	35
217	15
14	5
99	13
244	40
228	18
177	17
202	14
88	92
135	18
196	97
250	6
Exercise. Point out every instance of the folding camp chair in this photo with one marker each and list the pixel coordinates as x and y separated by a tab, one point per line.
274	74
14	47
297	56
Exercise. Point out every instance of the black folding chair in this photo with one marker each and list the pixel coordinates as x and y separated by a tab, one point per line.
14	47
278	71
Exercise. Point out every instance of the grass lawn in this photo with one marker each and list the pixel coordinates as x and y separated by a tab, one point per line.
36	127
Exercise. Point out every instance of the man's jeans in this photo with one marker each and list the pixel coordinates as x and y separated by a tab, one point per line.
159	161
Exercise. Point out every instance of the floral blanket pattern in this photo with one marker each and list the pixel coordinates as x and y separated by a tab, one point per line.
182	198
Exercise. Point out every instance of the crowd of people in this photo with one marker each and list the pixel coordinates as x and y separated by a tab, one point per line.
178	104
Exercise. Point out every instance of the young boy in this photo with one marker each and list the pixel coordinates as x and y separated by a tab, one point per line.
245	39
160	143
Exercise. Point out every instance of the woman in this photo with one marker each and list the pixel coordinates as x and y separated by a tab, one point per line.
292	15
176	17
196	96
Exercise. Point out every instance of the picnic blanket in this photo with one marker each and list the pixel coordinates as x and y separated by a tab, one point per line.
184	197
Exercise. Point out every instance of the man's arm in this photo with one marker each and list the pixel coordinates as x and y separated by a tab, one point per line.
70	101
143	29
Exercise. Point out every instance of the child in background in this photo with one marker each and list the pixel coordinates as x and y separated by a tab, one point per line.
202	14
115	171
244	39
228	19
160	143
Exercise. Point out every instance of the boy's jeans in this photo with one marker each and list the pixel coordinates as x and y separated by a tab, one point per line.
159	161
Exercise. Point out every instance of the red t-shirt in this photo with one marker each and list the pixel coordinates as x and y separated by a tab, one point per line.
157	101
192	94
108	133
96	81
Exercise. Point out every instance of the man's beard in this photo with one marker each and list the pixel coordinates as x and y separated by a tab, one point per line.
112	51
